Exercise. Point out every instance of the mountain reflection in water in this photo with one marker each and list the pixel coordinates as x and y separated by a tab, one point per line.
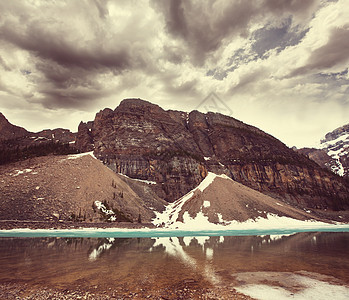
157	262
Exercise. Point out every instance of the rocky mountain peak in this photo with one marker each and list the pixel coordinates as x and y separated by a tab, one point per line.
333	152
177	149
335	134
336	145
136	105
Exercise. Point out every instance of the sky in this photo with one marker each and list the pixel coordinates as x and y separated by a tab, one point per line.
280	65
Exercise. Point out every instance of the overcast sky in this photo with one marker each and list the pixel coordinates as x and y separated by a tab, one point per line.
280	65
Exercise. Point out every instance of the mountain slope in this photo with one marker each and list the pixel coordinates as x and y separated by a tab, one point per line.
9	131
177	149
71	188
221	200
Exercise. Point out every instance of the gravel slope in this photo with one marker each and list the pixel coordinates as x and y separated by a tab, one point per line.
59	187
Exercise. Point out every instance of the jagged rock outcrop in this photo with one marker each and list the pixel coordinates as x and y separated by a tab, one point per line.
333	152
84	140
177	149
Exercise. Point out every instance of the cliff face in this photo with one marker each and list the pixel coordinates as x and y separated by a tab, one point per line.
177	149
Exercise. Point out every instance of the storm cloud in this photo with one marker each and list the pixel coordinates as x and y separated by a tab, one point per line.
72	58
335	52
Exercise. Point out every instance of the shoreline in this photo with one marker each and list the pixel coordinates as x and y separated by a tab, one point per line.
28	228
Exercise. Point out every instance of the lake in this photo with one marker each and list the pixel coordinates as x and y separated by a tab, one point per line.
308	265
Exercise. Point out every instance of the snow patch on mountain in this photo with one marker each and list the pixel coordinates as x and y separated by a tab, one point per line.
108	212
337	148
76	156
139	180
170	215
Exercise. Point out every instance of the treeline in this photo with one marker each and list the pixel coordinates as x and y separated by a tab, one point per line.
13	153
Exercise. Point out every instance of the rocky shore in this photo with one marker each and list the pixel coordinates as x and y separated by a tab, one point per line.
20	224
184	290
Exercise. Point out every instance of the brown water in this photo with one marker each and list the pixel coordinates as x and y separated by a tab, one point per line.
155	263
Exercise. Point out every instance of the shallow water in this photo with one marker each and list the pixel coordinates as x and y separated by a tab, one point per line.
155	263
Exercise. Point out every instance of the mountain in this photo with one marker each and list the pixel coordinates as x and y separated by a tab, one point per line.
336	145
219	200
333	152
9	131
16	143
72	187
177	150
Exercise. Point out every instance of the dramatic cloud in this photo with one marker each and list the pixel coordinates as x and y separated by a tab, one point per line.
333	53
278	64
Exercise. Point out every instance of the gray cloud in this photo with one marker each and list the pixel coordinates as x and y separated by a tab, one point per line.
333	53
247	81
80	56
188	88
203	30
295	7
203	26
55	47
3	64
66	60
102	7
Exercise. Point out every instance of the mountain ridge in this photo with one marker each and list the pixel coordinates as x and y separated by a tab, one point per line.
177	149
16	143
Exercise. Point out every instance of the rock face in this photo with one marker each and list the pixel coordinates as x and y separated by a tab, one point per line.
84	140
177	149
333	152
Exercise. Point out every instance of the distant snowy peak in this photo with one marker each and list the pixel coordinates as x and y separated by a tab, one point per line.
336	145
